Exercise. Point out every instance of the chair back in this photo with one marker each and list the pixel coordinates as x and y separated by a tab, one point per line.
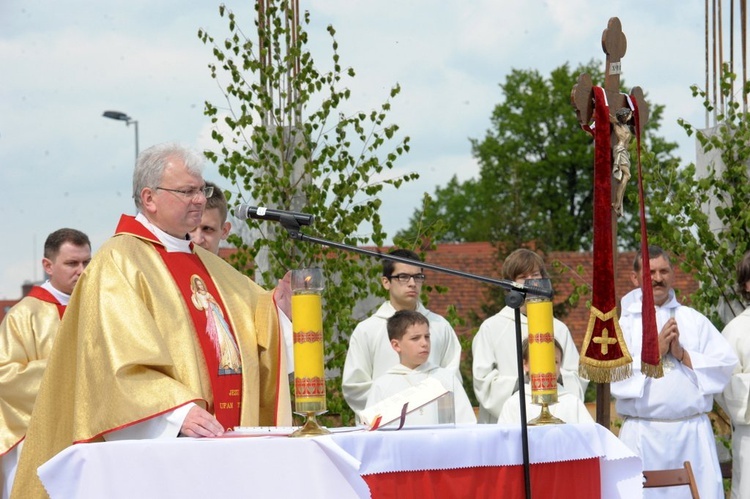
672	478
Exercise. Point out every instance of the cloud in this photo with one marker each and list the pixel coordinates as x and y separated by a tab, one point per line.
64	63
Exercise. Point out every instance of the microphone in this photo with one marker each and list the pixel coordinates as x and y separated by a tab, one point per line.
244	211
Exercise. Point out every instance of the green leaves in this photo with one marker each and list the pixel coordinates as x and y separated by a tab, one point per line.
276	150
536	170
703	216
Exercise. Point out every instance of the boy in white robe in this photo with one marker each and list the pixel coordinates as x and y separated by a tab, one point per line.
495	365
736	396
370	355
409	334
568	408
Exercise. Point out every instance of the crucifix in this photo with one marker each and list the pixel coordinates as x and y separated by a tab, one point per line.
603	337
614	45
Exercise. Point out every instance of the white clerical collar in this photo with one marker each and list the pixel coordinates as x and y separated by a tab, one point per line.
171	243
61	297
633	301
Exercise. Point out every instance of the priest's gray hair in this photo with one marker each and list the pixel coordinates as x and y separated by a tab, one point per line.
149	168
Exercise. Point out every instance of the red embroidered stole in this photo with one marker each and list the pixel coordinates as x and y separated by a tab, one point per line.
650	359
208	315
604	354
42	294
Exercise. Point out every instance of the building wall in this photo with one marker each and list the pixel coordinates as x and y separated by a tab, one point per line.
481	258
467	295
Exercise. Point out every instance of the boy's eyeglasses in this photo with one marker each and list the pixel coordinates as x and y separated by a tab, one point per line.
405	278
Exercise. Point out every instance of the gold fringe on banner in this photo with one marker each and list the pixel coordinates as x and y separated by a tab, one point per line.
653	371
604	358
599	374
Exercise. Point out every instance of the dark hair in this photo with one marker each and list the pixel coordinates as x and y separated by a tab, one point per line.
61	236
402	320
389	265
743	275
523	261
653	252
218	201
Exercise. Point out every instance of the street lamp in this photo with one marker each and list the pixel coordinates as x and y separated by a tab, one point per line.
117	115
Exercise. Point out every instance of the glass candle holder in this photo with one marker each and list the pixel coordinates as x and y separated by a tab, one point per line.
542	368
309	367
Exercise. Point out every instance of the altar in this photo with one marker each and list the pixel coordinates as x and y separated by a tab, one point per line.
583	460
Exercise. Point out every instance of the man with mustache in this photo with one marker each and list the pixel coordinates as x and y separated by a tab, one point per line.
665	419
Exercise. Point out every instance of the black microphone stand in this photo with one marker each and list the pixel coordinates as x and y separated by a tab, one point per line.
514	299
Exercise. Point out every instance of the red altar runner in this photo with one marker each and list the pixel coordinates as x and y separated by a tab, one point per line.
492	481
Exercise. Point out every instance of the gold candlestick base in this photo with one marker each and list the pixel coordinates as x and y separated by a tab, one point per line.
311	428
545	417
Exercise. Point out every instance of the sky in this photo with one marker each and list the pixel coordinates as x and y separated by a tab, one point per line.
64	63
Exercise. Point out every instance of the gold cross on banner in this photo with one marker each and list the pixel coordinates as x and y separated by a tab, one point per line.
605	341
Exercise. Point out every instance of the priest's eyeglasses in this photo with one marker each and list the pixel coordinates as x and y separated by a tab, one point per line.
405	278
192	194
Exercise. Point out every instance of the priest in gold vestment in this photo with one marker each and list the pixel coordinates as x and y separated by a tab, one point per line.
27	334
135	356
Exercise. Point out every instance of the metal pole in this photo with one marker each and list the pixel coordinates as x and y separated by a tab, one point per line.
135	122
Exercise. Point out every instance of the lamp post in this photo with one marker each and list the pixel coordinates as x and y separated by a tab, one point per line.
117	115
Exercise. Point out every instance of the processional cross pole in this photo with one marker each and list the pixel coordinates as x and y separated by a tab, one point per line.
604	355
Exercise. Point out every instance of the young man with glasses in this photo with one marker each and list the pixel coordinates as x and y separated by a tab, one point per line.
495	364
370	353
144	347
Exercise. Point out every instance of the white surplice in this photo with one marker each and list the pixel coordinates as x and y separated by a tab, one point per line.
370	353
399	378
736	400
569	408
495	365
665	419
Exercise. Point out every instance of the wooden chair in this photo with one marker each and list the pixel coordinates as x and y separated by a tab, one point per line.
672	478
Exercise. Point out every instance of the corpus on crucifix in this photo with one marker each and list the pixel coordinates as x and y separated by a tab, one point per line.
621	154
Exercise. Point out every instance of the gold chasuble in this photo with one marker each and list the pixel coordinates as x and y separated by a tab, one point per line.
26	337
128	349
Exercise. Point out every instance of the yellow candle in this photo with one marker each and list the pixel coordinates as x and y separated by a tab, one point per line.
309	370
542	369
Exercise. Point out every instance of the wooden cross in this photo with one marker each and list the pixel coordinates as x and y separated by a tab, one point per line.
614	44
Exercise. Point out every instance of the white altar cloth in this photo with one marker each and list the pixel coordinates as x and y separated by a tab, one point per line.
329	466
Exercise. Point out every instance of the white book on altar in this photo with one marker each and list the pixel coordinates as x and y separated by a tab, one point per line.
421	396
